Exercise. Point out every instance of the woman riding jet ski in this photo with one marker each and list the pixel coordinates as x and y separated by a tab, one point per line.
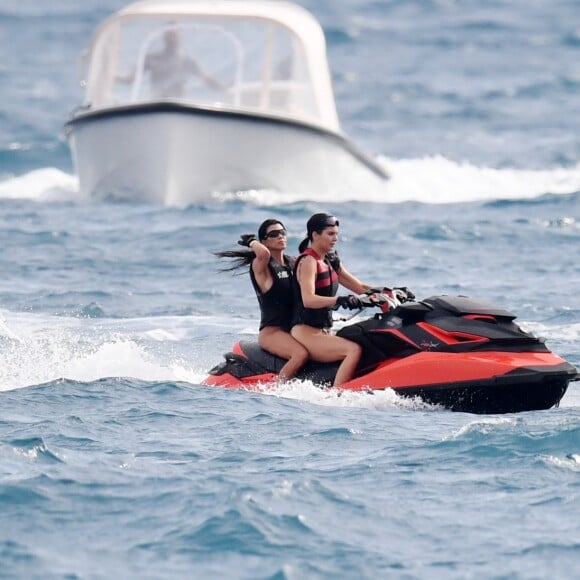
452	351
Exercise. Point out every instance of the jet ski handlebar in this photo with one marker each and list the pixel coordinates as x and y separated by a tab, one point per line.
386	298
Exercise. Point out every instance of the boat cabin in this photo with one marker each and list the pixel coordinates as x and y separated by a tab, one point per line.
260	57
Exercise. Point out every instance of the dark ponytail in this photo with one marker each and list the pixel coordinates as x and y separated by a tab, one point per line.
304	244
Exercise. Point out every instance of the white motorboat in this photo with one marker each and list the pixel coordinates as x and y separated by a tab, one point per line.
187	98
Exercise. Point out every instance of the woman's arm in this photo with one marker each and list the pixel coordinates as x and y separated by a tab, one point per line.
260	266
351	282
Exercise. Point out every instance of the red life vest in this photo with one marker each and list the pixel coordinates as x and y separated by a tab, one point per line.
325	284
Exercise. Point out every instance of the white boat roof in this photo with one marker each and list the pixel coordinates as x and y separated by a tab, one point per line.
296	19
291	15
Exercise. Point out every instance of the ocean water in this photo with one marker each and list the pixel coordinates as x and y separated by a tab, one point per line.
117	462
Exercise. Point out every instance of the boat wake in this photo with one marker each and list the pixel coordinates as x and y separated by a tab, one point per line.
39	349
46	184
307	391
430	180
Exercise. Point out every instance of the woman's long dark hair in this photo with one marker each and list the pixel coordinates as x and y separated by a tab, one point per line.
317	223
243	258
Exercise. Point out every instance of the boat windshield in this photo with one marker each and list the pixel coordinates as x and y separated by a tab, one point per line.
242	63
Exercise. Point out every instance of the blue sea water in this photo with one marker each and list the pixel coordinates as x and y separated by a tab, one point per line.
117	462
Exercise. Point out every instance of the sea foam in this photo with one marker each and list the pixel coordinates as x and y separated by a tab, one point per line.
426	180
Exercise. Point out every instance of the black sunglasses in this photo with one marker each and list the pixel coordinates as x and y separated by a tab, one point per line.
276	234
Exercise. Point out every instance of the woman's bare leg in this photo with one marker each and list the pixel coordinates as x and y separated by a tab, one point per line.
348	366
330	348
282	344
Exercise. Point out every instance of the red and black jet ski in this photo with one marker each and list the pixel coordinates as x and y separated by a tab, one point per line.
452	351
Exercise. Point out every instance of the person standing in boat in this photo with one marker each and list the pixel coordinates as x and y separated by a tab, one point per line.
169	69
271	272
318	274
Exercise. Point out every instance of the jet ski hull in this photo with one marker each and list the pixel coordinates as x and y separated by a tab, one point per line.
533	383
460	354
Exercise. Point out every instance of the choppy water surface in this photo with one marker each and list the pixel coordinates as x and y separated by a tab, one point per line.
115	461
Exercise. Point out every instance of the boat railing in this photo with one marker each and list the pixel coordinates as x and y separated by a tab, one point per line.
250	94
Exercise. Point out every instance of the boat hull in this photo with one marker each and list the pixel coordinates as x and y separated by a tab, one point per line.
176	154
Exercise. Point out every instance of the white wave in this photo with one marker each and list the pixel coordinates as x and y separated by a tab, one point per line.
572	396
568	333
47	184
40	350
386	400
483	426
36	349
426	180
439	180
6	332
570	462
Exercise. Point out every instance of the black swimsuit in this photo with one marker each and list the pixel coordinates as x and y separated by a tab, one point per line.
277	304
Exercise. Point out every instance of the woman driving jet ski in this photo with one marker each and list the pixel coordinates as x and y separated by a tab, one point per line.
318	273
